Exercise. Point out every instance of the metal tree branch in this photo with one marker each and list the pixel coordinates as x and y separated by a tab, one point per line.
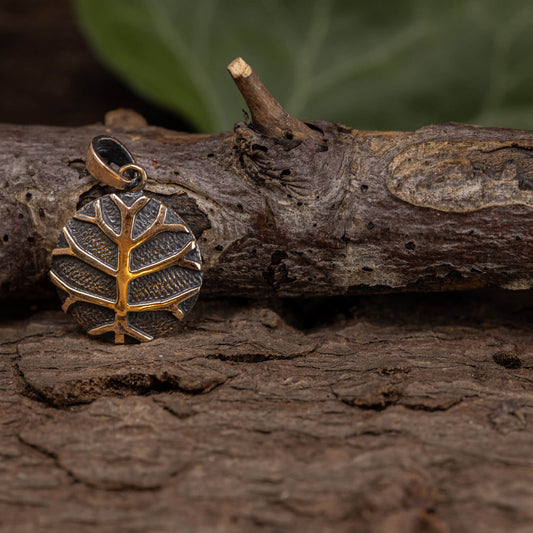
282	207
117	263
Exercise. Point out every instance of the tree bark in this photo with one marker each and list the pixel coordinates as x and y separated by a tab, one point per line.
391	417
282	207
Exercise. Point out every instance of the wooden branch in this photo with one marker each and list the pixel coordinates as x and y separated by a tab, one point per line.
242	423
268	117
445	207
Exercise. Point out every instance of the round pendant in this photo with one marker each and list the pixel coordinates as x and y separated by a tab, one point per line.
127	267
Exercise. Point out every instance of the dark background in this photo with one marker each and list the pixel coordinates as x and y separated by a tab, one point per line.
50	76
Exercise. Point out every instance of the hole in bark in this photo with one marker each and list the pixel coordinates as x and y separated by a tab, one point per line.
277	257
368	269
41	212
517	238
31	240
364	188
288	135
507	360
259	148
240	207
285	172
299	203
370	225
525	185
219	247
210	155
410	245
28	196
344	238
313	127
6	238
21	215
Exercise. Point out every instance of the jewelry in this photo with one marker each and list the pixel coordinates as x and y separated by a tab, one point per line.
125	265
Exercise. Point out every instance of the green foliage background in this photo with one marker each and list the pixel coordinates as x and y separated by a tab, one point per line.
381	64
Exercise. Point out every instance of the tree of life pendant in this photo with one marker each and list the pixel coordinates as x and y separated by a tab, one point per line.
126	266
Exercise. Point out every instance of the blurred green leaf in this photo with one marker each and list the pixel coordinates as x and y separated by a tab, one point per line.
385	64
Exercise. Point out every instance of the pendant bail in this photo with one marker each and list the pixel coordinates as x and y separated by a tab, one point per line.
105	150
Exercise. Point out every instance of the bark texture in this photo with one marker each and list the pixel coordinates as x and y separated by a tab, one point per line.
401	414
444	207
398	414
287	208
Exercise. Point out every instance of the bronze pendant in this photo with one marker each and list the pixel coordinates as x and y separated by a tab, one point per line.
125	265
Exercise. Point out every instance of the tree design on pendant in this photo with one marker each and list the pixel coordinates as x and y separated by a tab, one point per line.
128	266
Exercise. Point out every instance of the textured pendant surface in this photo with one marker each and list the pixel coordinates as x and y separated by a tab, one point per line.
127	267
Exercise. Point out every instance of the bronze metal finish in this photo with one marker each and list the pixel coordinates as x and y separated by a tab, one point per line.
125	264
104	149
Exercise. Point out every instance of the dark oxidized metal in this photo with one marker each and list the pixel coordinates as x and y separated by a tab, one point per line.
126	265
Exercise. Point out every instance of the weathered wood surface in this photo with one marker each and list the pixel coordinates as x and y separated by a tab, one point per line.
401	414
287	208
445	207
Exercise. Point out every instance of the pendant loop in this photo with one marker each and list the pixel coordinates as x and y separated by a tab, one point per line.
104	151
139	176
